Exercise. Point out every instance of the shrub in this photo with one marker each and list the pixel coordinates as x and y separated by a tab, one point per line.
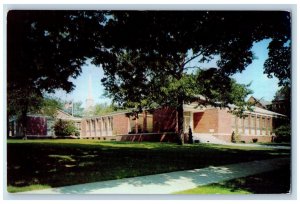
65	128
191	141
254	140
233	137
283	133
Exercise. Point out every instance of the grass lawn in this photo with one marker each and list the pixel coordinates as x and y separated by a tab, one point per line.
36	164
274	182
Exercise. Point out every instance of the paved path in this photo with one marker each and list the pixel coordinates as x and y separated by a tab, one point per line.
259	145
170	182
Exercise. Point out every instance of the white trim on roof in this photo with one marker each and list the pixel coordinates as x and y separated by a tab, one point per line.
106	115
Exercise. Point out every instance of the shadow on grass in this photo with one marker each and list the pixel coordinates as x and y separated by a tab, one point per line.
67	162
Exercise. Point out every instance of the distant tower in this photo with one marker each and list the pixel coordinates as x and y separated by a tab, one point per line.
89	102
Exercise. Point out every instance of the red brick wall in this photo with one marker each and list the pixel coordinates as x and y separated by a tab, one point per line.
120	124
36	126
224	121
164	120
204	121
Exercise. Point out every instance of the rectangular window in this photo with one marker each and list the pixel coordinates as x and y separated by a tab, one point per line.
270	125
257	123
253	122
149	123
246	125
246	122
263	123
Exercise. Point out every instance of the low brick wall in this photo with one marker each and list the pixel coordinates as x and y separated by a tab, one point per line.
226	138
249	139
141	137
149	137
246	138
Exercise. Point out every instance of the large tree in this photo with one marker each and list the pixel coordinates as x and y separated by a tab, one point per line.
44	50
147	54
148	51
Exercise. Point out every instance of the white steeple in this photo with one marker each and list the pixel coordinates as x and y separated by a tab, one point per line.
89	102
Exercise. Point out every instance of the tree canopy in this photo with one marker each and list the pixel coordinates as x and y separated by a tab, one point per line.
146	55
44	50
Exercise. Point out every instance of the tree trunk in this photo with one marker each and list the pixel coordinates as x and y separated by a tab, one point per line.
23	121
8	126
180	121
180	100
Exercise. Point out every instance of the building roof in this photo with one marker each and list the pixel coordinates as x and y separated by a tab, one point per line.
193	107
261	101
66	116
261	111
267	112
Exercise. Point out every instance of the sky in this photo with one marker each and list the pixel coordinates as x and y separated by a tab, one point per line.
262	86
80	92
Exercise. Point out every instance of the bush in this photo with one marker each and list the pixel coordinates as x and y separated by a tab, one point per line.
65	128
254	140
283	133
191	141
233	137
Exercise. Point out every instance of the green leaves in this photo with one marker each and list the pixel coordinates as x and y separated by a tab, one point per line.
65	128
279	68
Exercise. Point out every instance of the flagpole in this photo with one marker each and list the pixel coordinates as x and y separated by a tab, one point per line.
72	108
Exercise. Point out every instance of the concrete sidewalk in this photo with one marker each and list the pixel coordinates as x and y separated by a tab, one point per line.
170	182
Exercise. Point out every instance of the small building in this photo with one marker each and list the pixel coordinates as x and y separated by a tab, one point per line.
40	125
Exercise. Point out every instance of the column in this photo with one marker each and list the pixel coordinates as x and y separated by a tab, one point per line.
249	124
90	124
105	126
192	121
267	125
136	124
260	124
108	126
243	125
86	128
271	125
100	126
97	127
255	125
111	124
144	121
129	127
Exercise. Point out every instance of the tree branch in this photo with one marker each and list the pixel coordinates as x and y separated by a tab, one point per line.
195	56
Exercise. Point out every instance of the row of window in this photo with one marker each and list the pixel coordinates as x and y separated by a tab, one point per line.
250	124
99	126
140	122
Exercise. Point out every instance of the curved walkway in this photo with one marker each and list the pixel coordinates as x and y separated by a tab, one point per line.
167	183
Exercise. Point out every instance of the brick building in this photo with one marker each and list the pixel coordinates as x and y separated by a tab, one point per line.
40	125
207	124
